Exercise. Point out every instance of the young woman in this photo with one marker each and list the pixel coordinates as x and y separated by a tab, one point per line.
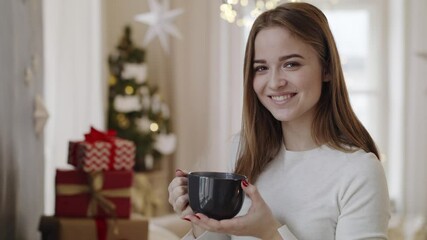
314	169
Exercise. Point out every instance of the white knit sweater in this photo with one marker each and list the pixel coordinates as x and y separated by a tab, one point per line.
323	194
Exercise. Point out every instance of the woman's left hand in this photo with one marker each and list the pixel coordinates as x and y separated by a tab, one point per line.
258	222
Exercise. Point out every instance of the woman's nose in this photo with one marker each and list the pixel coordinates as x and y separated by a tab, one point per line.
277	80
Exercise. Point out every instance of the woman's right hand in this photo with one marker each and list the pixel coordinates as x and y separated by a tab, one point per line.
178	194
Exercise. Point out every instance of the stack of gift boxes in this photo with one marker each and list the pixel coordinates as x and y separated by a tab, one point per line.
93	200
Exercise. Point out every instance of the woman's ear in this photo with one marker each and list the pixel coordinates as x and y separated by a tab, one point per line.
326	76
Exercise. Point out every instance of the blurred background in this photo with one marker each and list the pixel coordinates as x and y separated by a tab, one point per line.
59	76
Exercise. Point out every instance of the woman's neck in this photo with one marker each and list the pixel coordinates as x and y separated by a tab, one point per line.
298	136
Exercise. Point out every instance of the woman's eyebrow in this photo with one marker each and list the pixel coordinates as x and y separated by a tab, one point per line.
282	58
259	61
290	56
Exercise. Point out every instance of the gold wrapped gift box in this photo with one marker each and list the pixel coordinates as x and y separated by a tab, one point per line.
53	228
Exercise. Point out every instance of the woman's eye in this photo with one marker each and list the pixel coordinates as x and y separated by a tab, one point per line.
259	68
291	65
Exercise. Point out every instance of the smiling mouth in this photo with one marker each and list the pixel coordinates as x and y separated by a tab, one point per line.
282	98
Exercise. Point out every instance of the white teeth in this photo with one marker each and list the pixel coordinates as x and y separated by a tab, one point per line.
281	97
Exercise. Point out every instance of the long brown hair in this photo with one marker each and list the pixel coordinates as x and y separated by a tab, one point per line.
334	122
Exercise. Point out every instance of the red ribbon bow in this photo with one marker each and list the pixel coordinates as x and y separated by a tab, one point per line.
96	135
109	136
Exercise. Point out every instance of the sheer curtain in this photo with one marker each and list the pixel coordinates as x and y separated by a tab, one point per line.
21	149
73	79
207	88
415	112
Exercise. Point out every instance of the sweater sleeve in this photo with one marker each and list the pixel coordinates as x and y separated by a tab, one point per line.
364	201
285	233
206	236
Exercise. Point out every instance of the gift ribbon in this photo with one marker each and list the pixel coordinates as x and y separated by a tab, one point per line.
98	195
145	197
101	228
95	135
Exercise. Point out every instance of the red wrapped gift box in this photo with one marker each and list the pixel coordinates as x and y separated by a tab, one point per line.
101	151
96	194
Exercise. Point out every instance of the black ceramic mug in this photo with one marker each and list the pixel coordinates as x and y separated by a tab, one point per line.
218	195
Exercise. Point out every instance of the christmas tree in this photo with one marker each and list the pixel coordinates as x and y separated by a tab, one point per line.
135	108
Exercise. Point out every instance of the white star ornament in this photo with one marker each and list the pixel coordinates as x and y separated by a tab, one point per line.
160	19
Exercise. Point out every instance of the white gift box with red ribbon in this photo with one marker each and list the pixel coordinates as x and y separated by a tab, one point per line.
101	151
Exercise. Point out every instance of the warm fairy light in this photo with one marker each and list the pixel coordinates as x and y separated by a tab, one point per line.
123	121
269	5
227	12
154	127
238	12
244	12
112	81
260	4
129	90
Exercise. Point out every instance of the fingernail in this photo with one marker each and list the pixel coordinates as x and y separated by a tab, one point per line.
178	170
197	216
184	218
245	182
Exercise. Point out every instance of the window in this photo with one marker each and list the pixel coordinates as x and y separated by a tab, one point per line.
358	40
361	41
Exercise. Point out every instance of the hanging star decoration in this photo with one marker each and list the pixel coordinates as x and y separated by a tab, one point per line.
40	115
160	20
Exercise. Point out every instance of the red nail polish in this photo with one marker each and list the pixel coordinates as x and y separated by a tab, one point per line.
245	182
197	216
186	219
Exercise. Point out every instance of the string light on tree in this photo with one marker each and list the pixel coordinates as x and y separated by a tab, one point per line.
154	127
